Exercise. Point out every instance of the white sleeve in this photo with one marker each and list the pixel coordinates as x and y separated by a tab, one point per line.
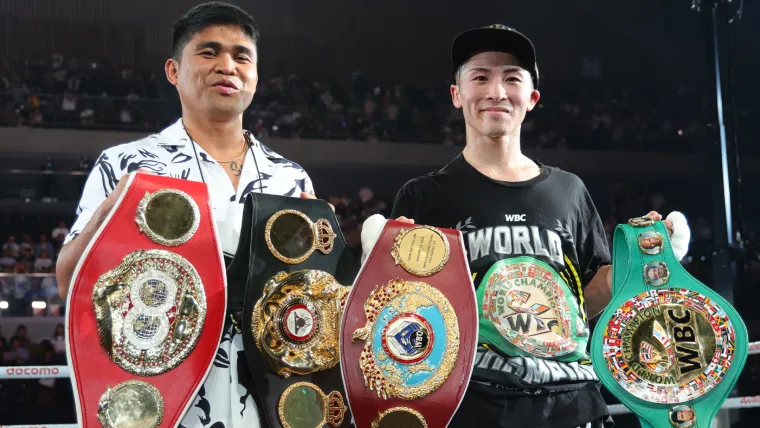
372	228
100	183
307	184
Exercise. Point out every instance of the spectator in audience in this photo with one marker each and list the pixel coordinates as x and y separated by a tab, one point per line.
125	115
50	286
16	289
60	232
59	340
46	393
35	292
21	334
69	104
12	247
60	93
44	263
87	116
17	353
26	243
19	92
44	245
26	260
84	166
7	260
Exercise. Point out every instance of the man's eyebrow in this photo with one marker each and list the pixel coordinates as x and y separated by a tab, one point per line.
507	69
218	46
209	44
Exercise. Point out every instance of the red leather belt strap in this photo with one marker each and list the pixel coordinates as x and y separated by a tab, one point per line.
93	370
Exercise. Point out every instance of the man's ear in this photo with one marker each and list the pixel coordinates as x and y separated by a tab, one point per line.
172	71
455	96
534	97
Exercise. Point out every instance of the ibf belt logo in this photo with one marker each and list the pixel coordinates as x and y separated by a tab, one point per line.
527	303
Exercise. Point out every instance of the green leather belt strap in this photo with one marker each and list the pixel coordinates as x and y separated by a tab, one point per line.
668	347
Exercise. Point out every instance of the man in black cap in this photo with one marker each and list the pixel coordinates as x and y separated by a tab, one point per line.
535	242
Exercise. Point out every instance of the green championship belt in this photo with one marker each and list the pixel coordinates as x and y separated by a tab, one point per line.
526	308
668	347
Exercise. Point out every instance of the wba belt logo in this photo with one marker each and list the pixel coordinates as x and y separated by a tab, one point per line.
526	302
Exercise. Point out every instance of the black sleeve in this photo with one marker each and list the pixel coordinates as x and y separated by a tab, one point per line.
404	201
415	200
593	250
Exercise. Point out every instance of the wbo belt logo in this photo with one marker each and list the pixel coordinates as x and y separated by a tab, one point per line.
408	338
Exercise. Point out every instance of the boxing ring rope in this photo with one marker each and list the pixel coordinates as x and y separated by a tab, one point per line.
39	372
730	403
40	426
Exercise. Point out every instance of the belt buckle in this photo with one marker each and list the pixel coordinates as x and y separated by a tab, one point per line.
295	323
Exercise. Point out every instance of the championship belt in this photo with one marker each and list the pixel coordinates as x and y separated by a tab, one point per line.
528	309
293	302
410	328
146	306
668	347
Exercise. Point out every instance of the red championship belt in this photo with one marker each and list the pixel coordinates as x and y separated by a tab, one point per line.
409	331
146	307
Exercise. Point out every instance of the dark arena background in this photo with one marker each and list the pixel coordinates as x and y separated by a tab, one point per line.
653	103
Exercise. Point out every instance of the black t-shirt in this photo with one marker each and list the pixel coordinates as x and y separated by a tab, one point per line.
533	247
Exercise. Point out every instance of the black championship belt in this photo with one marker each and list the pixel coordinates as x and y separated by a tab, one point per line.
292	302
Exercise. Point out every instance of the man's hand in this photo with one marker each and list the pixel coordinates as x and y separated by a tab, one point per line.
599	290
654	215
678	231
71	252
305	195
106	206
405	220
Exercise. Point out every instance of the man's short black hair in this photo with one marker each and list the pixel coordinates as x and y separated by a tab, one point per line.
207	14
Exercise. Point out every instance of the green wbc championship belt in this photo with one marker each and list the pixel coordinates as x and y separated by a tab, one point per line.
526	308
668	347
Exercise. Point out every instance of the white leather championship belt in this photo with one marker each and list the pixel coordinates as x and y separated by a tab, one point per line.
146	306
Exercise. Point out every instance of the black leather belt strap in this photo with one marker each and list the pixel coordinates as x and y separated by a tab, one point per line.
340	262
238	267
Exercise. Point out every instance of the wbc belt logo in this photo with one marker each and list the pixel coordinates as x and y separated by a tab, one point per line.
526	304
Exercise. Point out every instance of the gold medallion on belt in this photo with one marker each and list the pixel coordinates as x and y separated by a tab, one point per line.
296	322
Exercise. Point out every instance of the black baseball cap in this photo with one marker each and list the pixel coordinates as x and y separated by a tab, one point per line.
495	37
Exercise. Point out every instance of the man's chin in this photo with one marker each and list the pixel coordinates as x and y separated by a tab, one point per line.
495	133
227	109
